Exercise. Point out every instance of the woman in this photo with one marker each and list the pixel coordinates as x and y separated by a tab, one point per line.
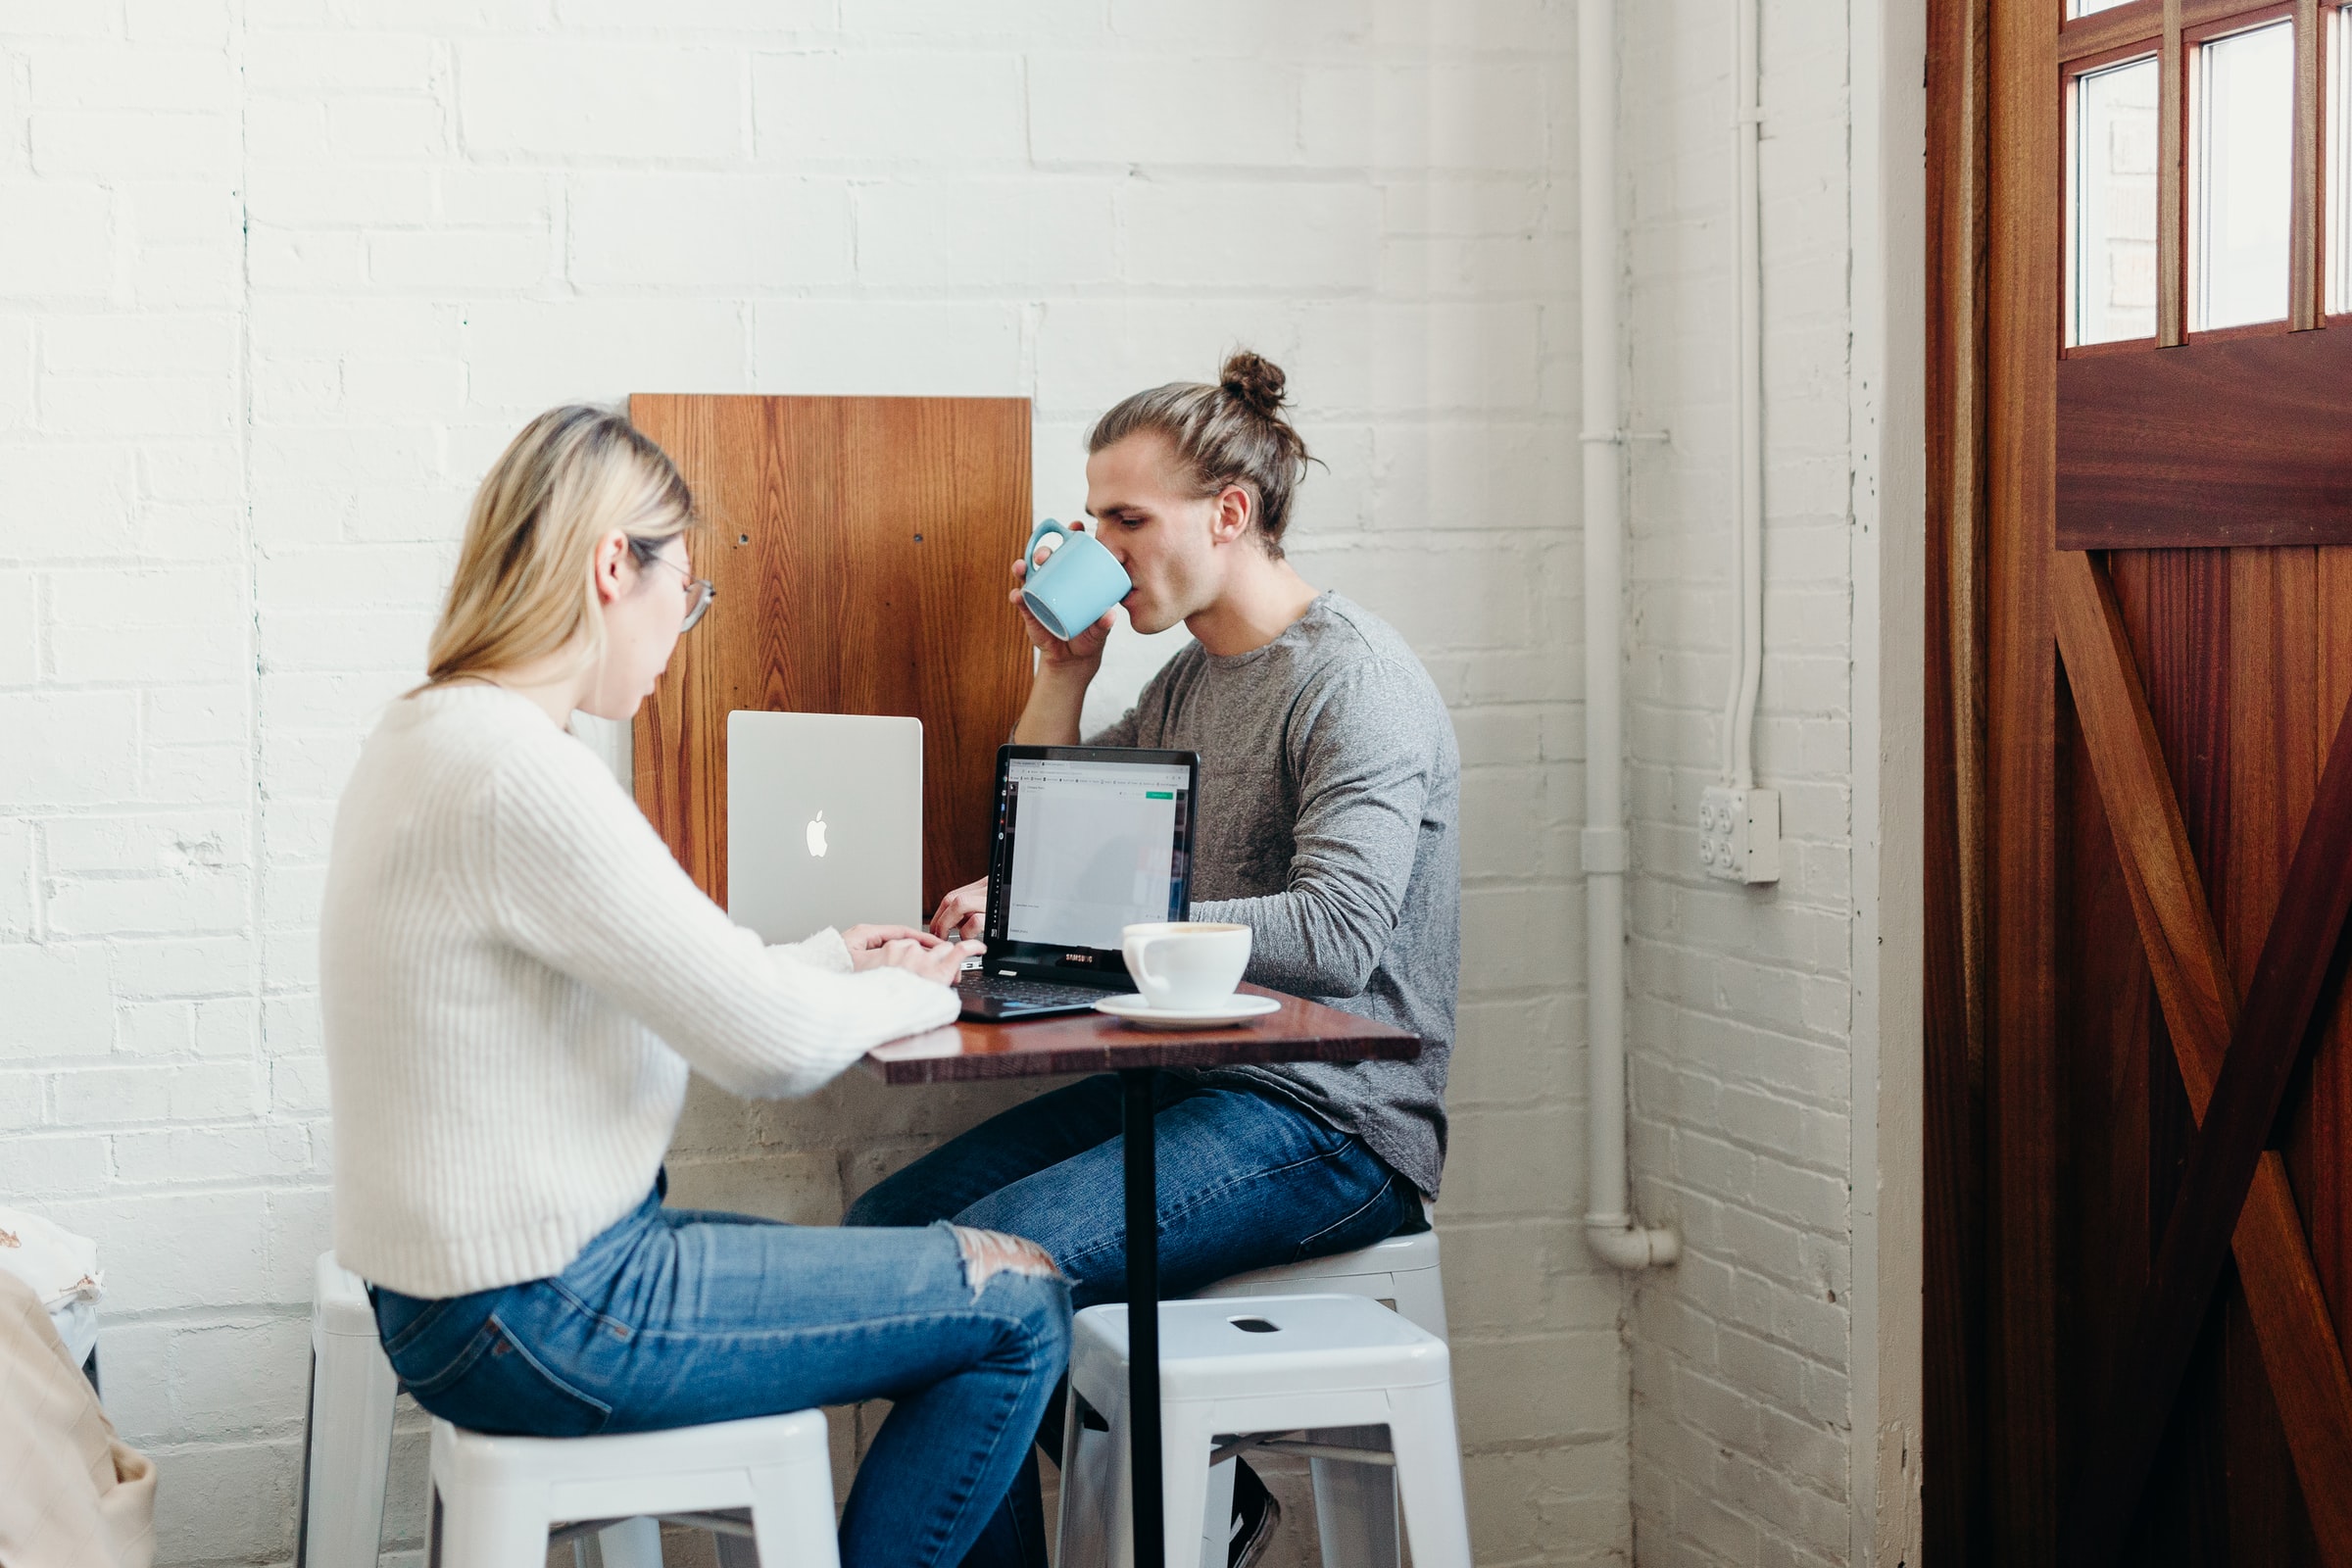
517	977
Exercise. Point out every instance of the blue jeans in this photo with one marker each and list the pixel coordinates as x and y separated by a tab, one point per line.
676	1318
1245	1180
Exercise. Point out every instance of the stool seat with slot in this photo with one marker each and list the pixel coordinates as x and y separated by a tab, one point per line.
1355	1499
1273	1372
501	1501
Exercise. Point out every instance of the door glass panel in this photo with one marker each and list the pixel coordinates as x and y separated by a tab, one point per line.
2084	8
2242	176
2112	173
2339	164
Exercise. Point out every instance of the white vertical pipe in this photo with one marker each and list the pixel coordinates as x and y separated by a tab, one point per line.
1739	718
1610	1227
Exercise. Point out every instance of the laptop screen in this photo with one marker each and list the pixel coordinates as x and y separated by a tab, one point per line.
1089	841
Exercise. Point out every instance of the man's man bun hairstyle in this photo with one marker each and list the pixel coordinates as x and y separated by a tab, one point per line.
1256	380
1230	434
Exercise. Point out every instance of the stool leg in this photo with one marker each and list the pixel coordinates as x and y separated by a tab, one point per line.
1355	1504
1184	1447
352	1389
1090	1482
489	1528
631	1543
1421	1300
791	1514
1216	1515
1429	1476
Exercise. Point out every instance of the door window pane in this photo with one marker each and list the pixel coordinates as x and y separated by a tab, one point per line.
2339	164
2084	8
2113	204
2242	176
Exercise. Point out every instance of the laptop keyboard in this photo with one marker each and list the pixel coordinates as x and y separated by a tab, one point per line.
974	985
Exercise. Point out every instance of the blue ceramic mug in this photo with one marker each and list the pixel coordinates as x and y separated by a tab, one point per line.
1078	583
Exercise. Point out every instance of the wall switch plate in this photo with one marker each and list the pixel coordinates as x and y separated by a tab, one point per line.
1740	834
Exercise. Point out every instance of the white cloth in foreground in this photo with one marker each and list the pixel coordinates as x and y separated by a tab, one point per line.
71	1494
63	1270
515	976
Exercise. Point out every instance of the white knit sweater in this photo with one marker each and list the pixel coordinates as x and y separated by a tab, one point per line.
516	977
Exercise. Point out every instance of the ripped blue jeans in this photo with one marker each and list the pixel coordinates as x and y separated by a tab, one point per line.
676	1318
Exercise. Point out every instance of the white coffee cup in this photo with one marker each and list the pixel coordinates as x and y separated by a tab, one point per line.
1186	966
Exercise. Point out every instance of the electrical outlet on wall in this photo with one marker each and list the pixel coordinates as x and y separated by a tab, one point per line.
1740	834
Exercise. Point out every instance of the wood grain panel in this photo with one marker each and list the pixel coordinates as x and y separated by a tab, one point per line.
2104	1016
2274	762
2263	1051
2323	1151
2183	945
2272	751
2023	1092
1952	1025
2184	640
2117	28
2285	1306
2172	194
859	545
2305	294
2230	441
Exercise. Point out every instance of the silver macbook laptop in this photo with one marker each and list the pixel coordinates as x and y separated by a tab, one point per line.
824	822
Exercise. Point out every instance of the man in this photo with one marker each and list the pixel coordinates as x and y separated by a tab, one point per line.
1329	787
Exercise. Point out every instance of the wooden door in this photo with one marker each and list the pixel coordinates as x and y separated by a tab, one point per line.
860	549
2140	1117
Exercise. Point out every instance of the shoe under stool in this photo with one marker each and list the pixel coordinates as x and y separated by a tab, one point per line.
1355	1502
497	1502
1240	1374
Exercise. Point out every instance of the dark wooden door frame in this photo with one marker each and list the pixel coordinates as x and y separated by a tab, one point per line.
2001	601
1954	1519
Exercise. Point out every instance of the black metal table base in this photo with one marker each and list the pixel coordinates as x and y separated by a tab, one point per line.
1143	1313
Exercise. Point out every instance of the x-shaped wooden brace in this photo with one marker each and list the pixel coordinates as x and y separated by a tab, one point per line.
2235	1064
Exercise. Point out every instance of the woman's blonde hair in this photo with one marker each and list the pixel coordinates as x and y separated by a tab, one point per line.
523	587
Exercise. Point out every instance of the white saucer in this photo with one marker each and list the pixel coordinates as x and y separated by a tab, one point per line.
1235	1009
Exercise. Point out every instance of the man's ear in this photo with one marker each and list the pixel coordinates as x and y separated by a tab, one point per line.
604	568
1237	509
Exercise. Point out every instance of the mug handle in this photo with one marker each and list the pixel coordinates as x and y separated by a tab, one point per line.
1037	536
1138	959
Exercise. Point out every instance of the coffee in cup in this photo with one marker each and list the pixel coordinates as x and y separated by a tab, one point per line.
1186	966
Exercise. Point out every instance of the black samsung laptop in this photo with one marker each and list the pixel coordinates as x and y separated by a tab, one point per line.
1089	840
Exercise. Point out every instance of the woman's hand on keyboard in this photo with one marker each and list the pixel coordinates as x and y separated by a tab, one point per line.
898	947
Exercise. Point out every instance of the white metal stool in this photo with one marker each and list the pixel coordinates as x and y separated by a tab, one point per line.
1243	1374
1355	1502
496	1500
1401	1272
352	1388
349	1450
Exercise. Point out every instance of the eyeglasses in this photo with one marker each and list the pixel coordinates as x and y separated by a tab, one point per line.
649	552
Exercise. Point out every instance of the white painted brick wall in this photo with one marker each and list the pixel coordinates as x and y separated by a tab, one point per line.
278	277
1741	1012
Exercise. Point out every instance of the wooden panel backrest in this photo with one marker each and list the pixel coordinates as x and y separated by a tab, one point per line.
860	546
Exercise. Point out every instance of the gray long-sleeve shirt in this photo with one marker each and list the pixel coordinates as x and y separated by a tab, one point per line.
1330	784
